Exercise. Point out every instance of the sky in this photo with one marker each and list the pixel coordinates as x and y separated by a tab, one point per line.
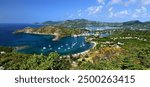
30	11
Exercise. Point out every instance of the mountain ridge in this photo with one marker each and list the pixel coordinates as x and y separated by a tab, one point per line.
84	23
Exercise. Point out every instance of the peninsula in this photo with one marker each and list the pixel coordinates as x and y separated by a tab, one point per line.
58	31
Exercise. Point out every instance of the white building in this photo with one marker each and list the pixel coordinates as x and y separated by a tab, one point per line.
2	52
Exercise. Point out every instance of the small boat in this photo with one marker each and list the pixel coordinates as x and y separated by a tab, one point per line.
65	49
67	44
74	44
44	48
49	45
59	48
83	44
80	45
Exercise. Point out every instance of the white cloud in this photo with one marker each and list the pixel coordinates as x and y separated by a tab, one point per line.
111	14
119	14
135	16
101	2
94	10
129	2
145	2
140	12
79	13
122	2
125	12
115	2
110	9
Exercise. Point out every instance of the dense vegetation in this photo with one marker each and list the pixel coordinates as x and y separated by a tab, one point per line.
122	50
5	49
17	61
58	31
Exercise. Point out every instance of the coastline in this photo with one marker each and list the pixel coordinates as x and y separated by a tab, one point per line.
57	38
36	33
84	52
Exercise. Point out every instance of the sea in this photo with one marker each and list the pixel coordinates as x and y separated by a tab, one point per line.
40	44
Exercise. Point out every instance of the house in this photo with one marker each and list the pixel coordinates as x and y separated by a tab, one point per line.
2	52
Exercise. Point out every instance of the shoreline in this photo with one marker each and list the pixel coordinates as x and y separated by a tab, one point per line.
56	38
84	52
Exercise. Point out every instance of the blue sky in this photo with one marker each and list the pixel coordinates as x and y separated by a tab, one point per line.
30	11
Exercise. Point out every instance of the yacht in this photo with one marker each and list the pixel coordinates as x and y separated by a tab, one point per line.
73	45
65	49
59	48
67	44
44	48
49	45
83	44
68	48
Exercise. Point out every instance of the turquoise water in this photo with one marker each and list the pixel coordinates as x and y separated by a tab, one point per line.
37	44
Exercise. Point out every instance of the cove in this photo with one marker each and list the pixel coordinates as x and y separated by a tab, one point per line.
37	44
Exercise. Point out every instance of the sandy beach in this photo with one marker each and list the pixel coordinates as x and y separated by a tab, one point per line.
84	52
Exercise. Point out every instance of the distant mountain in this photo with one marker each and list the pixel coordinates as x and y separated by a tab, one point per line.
132	22
80	23
136	25
84	23
52	22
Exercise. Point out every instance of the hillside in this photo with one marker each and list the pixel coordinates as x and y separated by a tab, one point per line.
84	23
58	31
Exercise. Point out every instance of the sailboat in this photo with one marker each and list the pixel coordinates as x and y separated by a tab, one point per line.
62	46
65	49
50	48
67	44
80	45
68	48
44	48
59	48
83	44
49	45
73	44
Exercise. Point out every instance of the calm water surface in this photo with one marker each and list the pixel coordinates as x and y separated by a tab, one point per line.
37	44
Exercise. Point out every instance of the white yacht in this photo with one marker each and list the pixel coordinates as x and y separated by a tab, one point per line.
44	48
68	48
59	48
49	45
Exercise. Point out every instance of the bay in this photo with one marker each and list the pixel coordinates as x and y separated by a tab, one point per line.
37	44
